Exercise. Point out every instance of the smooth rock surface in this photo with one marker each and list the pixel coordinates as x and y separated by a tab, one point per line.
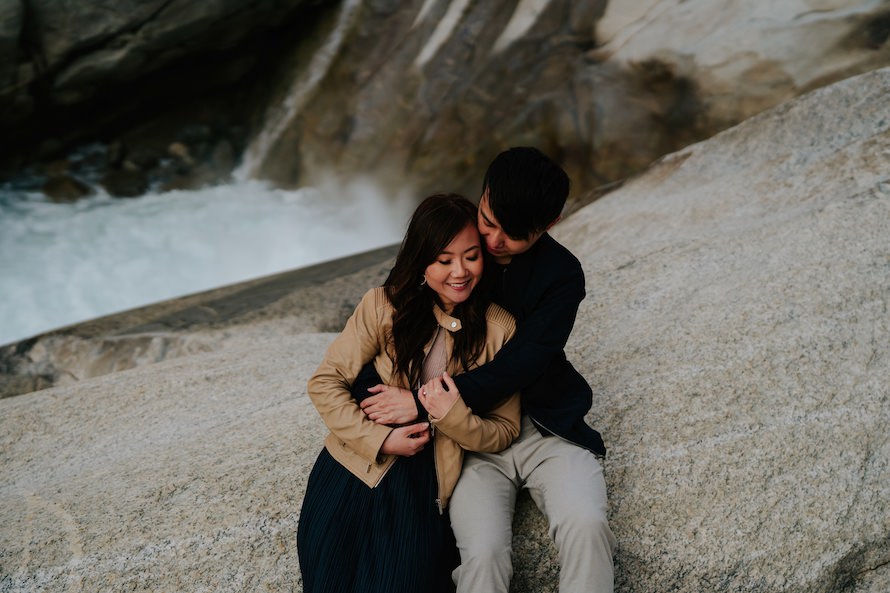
735	334
745	57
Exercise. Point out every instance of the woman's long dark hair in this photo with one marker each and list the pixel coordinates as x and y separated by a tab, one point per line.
434	224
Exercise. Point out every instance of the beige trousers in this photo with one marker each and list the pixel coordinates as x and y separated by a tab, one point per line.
565	481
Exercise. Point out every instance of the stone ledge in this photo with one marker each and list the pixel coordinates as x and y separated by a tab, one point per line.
314	298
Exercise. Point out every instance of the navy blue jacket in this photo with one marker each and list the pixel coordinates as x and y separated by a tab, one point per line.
542	288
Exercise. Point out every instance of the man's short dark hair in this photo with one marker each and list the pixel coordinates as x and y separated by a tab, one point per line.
526	191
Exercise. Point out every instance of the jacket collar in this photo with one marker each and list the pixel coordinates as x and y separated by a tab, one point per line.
445	320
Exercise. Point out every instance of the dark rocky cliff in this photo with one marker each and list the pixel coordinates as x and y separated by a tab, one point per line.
414	93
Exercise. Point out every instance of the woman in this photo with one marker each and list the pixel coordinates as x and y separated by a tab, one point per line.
373	518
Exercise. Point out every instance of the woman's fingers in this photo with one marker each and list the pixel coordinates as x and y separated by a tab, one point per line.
449	383
407	440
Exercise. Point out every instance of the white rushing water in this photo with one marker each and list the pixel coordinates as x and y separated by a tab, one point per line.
65	263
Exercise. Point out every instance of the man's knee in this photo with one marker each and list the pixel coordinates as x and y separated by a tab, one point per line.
484	549
583	528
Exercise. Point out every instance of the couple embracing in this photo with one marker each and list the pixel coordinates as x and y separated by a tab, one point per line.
447	392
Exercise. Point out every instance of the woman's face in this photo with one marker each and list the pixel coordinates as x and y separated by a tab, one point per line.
457	269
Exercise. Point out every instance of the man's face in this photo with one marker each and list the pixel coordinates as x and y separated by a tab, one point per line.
498	243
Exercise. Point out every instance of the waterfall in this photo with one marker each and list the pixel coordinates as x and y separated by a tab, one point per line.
443	30
304	84
524	16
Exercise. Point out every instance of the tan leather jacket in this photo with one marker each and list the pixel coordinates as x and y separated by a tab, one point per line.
355	440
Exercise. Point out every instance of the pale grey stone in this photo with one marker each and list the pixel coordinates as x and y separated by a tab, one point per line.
735	334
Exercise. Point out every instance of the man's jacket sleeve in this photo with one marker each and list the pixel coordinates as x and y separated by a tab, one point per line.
539	342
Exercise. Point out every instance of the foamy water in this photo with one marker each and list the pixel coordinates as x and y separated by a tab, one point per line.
65	263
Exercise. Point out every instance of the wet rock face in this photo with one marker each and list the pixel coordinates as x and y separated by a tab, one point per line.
150	159
428	95
76	73
82	47
65	188
11	18
418	94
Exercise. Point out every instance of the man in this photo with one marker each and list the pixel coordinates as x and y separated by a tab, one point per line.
556	456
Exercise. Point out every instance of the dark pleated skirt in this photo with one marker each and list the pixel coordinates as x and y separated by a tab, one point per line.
388	539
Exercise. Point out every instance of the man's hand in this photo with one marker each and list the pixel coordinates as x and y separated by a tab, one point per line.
407	440
390	405
438	395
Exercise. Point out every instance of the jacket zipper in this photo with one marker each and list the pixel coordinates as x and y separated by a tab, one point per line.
436	468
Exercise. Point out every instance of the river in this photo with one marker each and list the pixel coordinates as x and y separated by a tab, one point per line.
65	263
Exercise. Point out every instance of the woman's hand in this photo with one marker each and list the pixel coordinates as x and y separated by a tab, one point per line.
438	395
406	440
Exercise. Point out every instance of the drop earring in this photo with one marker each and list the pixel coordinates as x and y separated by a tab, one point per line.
423	282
